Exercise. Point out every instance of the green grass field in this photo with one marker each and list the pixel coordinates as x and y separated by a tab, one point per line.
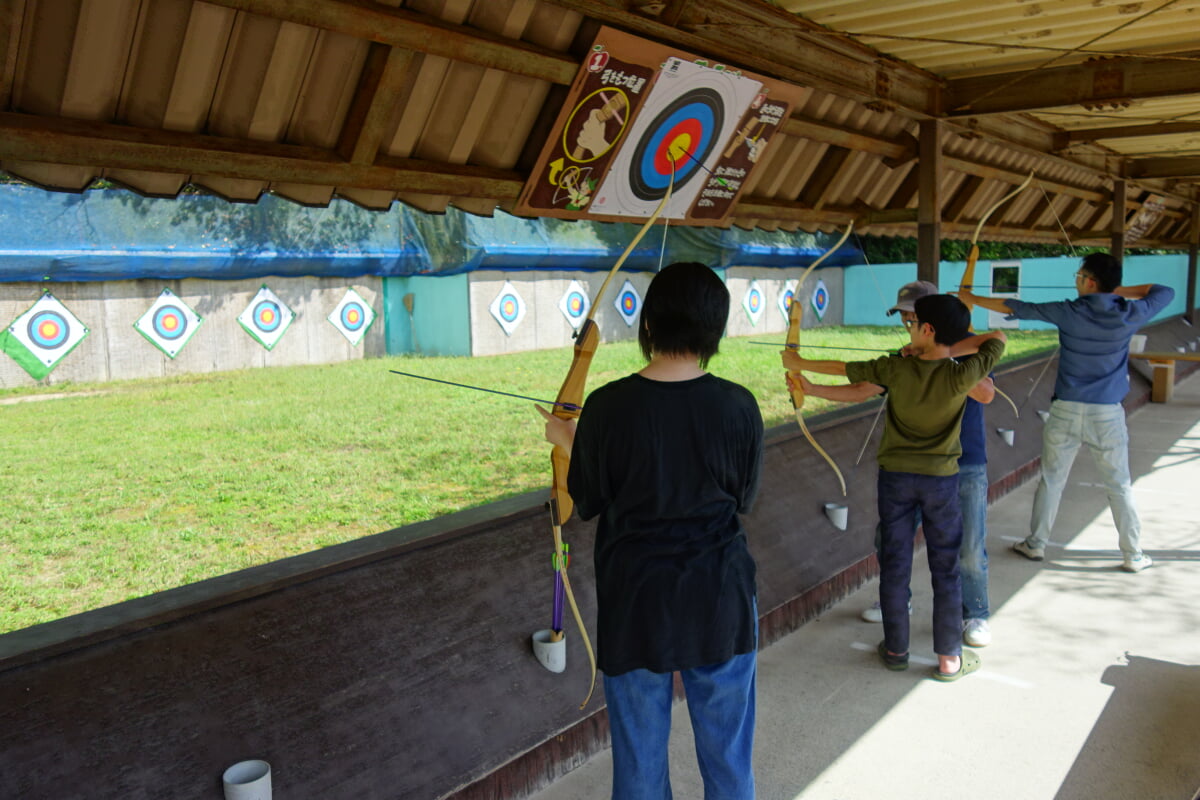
120	490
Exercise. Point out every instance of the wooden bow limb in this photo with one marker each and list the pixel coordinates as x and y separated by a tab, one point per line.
795	321
567	405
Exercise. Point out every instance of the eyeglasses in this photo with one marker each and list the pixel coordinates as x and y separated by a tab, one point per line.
1083	276
908	323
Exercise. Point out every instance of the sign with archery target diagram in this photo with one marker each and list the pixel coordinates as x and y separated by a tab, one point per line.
628	303
575	304
42	336
639	112
508	308
266	318
168	324
352	317
680	133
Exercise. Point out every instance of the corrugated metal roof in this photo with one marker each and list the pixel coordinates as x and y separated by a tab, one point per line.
448	102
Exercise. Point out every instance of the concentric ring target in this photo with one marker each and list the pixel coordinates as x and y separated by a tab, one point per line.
510	308
48	329
686	129
755	300
789	297
575	304
169	322
267	316
353	317
628	301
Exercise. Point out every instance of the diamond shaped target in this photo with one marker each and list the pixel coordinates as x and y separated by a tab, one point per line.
575	304
820	299
785	300
628	303
266	318
508	308
168	324
42	336
353	317
754	302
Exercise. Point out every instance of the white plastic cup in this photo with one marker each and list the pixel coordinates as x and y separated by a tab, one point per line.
838	514
1045	415
551	654
248	780
1137	343
1008	434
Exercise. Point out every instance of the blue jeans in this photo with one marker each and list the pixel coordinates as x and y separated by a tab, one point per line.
973	557
720	700
1102	428
900	496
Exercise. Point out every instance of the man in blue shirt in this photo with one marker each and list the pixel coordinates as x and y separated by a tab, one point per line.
1093	378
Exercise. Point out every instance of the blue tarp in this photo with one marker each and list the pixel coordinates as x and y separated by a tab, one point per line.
116	235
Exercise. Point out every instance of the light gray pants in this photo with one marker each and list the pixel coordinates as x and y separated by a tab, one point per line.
1102	429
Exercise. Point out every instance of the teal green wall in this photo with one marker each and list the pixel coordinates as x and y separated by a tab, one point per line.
441	320
871	289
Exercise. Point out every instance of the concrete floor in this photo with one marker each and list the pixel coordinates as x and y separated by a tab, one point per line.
1090	689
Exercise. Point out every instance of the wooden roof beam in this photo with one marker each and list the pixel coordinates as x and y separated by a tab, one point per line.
1181	167
1065	138
1094	83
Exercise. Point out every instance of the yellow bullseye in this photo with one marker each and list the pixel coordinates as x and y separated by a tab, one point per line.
680	146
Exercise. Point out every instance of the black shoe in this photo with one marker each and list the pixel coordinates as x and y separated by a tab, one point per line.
894	663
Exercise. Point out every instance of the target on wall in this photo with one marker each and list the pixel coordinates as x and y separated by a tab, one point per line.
628	303
266	318
687	118
508	308
352	317
575	304
42	336
168	324
753	302
820	299
786	297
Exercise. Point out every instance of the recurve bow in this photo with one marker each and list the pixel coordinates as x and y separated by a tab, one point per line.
968	279
568	404
795	319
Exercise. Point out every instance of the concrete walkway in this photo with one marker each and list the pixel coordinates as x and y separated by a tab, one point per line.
1090	689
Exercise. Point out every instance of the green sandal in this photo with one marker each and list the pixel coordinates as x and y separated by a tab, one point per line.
968	662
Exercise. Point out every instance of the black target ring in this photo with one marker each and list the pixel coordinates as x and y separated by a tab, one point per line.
691	121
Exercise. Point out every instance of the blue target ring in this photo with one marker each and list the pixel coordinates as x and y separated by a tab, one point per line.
48	330
509	308
821	299
687	125
267	316
788	298
353	316
169	322
755	300
629	302
575	304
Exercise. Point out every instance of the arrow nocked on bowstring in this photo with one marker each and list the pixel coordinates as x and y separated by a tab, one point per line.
567	406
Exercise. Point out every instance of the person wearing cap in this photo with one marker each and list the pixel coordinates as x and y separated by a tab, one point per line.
1093	378
918	467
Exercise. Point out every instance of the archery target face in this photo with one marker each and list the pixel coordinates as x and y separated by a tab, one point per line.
42	336
628	303
689	116
352	317
266	318
753	302
820	299
508	308
786	298
168	324
575	304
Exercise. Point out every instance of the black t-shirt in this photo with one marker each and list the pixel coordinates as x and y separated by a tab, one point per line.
668	466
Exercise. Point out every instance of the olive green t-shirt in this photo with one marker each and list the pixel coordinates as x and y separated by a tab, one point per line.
925	404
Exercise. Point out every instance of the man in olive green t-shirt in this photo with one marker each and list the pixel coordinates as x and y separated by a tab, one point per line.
918	469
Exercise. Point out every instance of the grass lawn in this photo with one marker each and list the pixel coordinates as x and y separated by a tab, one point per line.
120	490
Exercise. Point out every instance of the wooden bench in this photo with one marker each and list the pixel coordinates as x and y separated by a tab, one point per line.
1163	386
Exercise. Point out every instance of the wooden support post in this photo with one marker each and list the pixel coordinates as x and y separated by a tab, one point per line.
1193	246
929	201
1117	228
1163	386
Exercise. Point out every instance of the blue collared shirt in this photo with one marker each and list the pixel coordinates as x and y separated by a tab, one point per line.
1094	332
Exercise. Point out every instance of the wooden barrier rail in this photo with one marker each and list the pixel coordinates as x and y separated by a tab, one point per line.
1163	386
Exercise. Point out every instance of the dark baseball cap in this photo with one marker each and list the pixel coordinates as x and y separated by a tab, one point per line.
910	293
